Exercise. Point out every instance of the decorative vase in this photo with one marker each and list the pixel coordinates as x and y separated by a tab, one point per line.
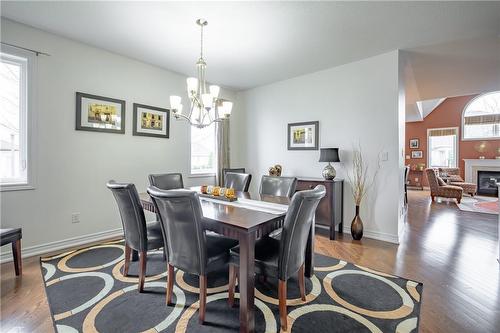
329	172
357	226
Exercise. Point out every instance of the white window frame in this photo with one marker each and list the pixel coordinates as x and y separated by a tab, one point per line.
456	145
27	118
198	175
463	121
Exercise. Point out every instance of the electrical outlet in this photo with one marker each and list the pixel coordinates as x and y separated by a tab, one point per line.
416	179
385	156
75	218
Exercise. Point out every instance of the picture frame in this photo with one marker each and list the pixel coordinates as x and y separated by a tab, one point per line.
99	114
414	143
303	136
417	154
151	121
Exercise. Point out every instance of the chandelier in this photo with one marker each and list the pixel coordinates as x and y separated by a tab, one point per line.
206	106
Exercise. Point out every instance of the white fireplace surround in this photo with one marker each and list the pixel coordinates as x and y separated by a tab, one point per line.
472	166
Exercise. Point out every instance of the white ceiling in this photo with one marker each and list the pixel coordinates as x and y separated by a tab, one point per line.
254	43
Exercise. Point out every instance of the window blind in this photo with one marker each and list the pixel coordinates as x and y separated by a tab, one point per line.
442	131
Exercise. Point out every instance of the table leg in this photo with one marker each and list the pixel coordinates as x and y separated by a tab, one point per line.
246	282
309	257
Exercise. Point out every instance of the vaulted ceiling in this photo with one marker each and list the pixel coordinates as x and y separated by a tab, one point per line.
254	43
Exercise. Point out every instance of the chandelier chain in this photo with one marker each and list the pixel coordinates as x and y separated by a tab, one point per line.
201	42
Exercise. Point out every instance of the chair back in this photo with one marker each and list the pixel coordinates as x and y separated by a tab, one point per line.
238	181
432	179
226	170
131	213
278	186
296	230
182	222
407	173
166	181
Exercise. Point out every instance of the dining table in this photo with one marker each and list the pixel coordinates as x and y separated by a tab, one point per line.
247	219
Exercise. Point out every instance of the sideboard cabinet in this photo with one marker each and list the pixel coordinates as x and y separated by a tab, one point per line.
330	212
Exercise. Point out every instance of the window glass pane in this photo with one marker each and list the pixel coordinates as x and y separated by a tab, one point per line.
203	149
12	116
442	151
481	118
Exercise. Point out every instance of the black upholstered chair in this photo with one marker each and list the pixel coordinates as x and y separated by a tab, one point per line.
278	186
13	236
234	170
285	257
139	235
189	247
238	181
166	181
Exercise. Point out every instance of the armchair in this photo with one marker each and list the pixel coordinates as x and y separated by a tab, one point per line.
439	187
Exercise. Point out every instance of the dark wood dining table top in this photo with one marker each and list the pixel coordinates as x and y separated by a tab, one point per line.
237	217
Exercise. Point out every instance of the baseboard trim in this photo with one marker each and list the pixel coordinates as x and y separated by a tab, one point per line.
35	250
382	236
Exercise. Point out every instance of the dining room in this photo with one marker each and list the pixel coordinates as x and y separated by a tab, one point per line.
195	167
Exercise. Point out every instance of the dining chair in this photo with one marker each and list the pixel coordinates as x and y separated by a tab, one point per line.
166	181
139	235
238	181
278	186
190	249
282	258
235	170
13	236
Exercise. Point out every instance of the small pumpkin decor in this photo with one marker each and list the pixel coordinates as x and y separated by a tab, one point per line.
360	183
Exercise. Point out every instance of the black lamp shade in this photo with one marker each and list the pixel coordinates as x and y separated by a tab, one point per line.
329	155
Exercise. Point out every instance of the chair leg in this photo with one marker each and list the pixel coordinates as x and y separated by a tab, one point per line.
282	304
302	286
128	253
458	200
170	283
203	298
164	254
16	253
142	269
232	284
432	198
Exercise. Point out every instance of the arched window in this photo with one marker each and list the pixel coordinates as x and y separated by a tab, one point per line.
481	117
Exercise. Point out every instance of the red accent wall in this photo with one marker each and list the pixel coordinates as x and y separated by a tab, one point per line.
447	114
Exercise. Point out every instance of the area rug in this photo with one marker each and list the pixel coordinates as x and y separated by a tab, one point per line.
479	204
87	293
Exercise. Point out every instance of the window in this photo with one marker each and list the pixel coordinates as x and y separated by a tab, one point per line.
442	145
203	150
15	74
481	117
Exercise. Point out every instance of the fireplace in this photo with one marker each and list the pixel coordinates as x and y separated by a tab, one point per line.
487	182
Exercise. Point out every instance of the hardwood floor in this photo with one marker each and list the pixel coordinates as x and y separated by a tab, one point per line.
451	251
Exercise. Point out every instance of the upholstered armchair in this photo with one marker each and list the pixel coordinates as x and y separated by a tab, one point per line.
456	180
440	189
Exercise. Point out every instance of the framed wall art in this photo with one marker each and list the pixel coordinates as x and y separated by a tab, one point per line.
416	154
99	114
414	143
151	121
303	136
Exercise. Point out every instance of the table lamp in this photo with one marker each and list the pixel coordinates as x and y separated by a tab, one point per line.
329	155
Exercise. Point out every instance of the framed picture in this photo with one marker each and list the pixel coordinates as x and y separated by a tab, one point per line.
99	114
151	121
416	154
414	143
303	136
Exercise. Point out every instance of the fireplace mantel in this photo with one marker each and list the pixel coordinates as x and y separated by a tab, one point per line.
472	166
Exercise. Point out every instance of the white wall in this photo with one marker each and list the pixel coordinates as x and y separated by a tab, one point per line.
73	166
354	103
